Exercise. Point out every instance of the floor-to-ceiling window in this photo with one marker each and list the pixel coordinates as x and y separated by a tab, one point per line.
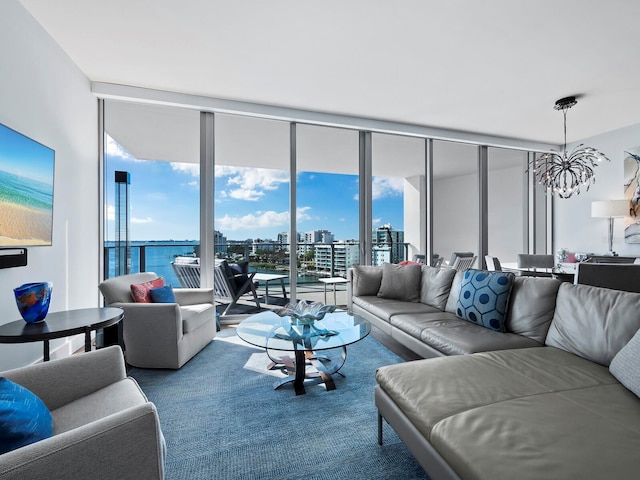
397	194
507	203
158	147
252	184
327	206
455	199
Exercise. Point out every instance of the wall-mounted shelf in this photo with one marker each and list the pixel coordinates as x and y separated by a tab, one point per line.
13	257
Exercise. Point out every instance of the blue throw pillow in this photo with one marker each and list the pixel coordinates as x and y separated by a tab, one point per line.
162	294
24	418
484	297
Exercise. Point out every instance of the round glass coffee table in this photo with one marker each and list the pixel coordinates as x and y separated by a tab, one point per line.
310	345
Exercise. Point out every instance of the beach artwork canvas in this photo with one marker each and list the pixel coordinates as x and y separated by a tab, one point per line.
632	192
26	190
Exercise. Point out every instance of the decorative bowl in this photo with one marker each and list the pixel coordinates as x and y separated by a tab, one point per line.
306	312
33	300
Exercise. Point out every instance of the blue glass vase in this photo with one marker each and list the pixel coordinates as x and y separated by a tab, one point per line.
33	300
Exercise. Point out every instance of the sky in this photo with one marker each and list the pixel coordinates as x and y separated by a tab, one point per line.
249	202
23	156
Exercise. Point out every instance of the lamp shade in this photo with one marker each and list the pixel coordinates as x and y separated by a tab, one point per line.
610	208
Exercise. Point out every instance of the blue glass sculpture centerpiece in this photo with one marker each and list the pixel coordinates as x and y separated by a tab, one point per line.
33	300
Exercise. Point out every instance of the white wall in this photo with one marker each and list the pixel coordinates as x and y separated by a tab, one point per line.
574	228
46	97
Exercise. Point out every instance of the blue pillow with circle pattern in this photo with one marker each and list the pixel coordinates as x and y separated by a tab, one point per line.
484	298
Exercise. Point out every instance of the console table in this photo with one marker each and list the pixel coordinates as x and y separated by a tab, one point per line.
63	324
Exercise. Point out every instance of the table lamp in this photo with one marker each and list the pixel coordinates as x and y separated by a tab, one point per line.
610	209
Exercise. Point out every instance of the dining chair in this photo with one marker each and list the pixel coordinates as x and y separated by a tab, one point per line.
493	264
464	263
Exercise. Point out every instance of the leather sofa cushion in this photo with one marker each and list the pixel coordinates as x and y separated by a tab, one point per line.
436	285
455	336
454	294
385	308
414	324
592	322
401	282
531	306
366	280
492	414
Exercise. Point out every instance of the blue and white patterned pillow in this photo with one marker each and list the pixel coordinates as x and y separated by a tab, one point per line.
484	298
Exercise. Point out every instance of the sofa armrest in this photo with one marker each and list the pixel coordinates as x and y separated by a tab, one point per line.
193	296
127	445
350	290
61	381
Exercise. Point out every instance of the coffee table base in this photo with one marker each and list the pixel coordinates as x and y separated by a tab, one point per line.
296	369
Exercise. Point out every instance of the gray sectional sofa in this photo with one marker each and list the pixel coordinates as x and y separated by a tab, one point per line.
554	396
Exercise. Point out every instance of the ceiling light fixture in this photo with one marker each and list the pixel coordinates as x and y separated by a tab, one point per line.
564	174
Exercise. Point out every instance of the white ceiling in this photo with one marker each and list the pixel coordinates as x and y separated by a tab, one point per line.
493	67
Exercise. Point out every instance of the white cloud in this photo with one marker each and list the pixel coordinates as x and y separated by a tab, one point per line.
192	169
382	187
250	195
113	149
250	183
259	219
141	220
376	221
253	221
110	212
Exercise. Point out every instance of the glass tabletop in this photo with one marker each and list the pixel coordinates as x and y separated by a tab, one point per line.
268	330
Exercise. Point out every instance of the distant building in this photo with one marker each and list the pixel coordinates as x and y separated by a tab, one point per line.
220	243
264	245
380	255
318	236
335	259
386	236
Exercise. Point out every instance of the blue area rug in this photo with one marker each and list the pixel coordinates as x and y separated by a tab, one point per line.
223	420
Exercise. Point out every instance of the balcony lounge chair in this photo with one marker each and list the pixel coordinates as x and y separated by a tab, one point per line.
232	282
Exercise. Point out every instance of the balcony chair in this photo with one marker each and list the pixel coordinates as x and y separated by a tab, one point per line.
464	263
616	276
162	335
493	264
187	272
231	282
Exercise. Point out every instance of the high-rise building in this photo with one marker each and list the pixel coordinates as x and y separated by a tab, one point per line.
220	242
386	236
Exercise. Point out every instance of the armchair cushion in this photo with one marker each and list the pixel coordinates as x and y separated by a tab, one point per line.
24	418
141	292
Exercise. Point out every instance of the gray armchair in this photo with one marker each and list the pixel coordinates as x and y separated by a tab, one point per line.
162	335
104	426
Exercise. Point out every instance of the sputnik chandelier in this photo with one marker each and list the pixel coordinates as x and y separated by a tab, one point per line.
564	174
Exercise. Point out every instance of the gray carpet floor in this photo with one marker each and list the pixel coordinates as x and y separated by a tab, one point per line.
222	419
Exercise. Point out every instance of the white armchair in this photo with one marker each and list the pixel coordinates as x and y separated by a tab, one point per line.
162	335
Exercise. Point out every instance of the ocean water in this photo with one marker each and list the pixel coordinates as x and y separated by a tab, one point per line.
26	192
159	256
